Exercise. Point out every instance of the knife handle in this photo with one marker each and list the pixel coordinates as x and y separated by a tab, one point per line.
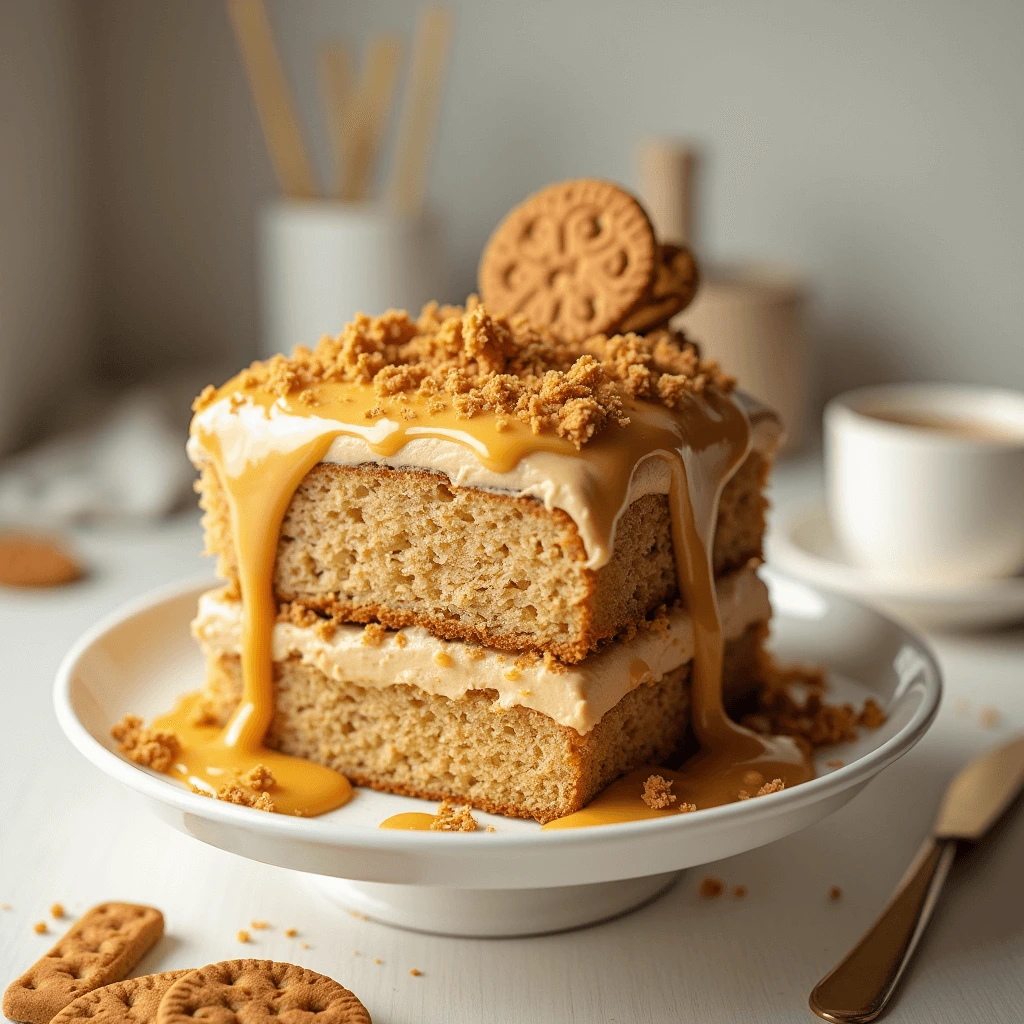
859	988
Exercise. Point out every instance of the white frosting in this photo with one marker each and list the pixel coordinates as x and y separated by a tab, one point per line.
247	433
575	695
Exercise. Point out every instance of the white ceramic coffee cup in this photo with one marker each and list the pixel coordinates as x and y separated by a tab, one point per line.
911	502
323	262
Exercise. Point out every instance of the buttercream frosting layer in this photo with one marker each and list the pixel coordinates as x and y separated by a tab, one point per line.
577	696
248	433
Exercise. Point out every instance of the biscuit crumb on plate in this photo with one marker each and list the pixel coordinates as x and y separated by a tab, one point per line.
151	748
453	818
39	928
658	793
57	911
242	936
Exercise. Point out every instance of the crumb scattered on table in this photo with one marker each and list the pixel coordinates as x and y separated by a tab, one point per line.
711	888
57	911
989	718
243	935
377	960
835	893
259	925
290	933
39	928
739	891
416	972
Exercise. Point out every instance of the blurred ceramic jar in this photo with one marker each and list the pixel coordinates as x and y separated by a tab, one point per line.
323	262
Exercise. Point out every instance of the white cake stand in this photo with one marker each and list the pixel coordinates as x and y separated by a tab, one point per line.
516	880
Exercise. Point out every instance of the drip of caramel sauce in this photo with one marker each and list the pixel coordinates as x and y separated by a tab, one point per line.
410	821
701	443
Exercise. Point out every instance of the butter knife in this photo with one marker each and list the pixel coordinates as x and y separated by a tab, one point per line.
860	988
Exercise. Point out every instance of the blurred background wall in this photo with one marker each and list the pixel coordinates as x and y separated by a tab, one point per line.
876	146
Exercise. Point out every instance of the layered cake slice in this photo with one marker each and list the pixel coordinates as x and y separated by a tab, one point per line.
499	554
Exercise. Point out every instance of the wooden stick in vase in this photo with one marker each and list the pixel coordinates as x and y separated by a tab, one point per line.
273	98
336	84
421	110
368	115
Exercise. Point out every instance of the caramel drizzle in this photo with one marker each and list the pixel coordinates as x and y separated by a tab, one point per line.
702	443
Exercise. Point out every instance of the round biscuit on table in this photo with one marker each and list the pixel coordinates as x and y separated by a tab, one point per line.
132	1001
576	257
259	992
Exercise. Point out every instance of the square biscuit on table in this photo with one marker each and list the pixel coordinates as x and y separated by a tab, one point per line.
100	948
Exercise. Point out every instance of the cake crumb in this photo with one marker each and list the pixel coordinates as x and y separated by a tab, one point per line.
40	928
242	935
260	778
234	794
835	893
151	748
711	888
739	891
401	640
685	808
377	960
491	828
305	945
260	926
791	703
989	718
775	786
442	659
373	634
872	715
290	933
834	763
57	911
416	972
453	818
658	793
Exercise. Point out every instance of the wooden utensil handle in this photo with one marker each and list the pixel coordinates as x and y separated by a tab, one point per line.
859	988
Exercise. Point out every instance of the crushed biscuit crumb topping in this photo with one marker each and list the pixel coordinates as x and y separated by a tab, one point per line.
471	361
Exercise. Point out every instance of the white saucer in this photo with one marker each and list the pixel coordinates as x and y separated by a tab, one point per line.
517	880
801	543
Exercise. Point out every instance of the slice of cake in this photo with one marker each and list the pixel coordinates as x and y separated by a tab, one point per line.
499	554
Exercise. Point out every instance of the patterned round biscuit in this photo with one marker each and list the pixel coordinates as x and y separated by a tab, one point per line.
133	1001
576	257
259	992
675	284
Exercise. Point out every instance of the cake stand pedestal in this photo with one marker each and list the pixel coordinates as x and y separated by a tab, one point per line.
494	913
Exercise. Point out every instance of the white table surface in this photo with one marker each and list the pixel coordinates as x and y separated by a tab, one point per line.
72	835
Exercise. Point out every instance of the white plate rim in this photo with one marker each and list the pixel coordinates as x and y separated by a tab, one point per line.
162	789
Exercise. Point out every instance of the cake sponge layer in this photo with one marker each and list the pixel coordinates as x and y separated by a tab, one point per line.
406	548
514	760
